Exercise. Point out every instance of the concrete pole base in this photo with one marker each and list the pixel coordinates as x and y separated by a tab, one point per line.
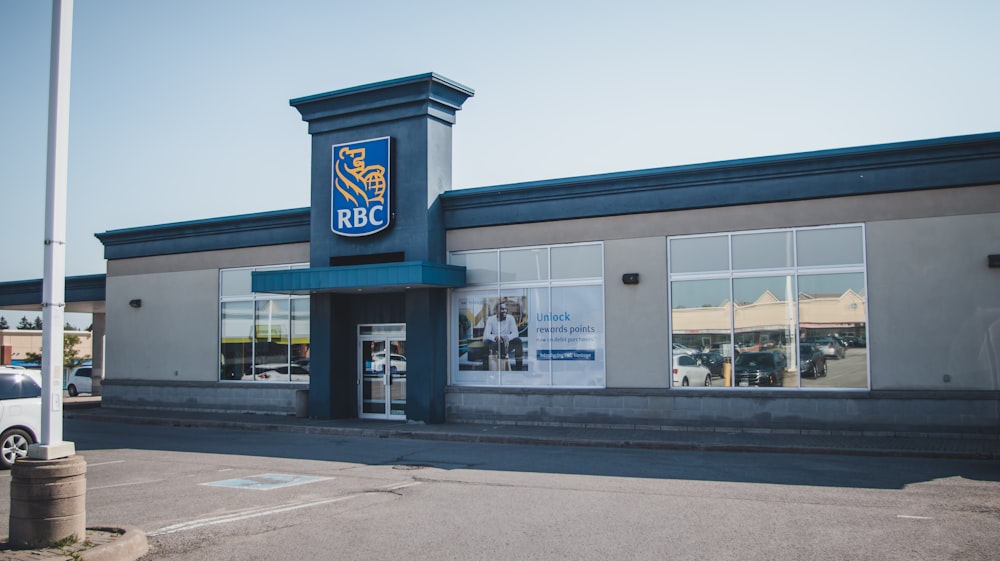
47	501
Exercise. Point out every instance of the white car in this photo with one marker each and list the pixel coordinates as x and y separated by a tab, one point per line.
79	381
20	413
687	371
397	363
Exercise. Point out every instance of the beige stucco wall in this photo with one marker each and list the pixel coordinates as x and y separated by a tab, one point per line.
174	336
893	206
636	314
203	260
934	304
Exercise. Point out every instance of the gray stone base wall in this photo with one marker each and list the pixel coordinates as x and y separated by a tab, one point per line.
868	411
240	397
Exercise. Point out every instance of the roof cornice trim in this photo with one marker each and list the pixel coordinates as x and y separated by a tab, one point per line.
423	95
915	165
229	232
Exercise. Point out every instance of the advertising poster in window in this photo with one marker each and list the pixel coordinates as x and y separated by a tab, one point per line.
574	338
517	338
492	331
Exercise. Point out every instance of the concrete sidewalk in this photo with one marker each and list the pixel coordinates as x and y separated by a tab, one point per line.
977	446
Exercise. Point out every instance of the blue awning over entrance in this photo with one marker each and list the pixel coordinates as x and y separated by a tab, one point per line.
382	277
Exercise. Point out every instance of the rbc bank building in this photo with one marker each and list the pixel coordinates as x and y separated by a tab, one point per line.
849	289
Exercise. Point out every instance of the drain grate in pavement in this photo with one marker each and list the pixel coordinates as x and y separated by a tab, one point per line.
266	481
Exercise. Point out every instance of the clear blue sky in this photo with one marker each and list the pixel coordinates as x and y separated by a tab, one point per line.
180	107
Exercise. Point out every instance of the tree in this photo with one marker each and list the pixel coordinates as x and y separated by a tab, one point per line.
71	357
24	323
3	323
38	323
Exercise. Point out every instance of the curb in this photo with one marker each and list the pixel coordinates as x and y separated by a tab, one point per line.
129	546
691	446
113	543
868	445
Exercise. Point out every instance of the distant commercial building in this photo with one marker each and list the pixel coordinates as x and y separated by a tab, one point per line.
566	301
18	345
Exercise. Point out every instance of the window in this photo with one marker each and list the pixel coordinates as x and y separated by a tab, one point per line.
263	337
785	308
531	316
18	386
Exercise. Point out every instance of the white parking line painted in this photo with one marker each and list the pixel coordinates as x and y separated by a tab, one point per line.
913	517
106	463
267	511
236	517
125	484
400	486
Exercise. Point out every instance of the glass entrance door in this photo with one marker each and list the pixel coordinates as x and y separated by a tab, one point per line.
382	370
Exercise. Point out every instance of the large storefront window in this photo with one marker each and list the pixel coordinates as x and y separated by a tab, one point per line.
530	317
263	337
783	308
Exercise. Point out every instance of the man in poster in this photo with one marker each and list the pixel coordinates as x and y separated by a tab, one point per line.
501	337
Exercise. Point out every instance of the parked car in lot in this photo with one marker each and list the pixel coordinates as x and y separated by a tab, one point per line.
80	381
20	413
711	360
830	346
687	371
812	362
760	369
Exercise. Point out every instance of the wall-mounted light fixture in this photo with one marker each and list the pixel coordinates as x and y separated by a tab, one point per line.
136	303
993	261
630	278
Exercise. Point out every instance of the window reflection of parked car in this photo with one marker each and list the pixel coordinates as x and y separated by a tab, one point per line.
265	371
857	342
711	360
680	349
723	349
397	363
760	369
20	413
831	347
688	371
812	362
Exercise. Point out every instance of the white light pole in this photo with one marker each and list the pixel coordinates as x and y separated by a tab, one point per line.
51	444
48	489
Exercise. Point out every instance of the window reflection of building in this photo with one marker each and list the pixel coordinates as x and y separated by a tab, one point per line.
732	300
842	315
263	337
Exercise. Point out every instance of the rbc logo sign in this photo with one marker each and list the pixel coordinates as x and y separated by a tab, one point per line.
361	187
